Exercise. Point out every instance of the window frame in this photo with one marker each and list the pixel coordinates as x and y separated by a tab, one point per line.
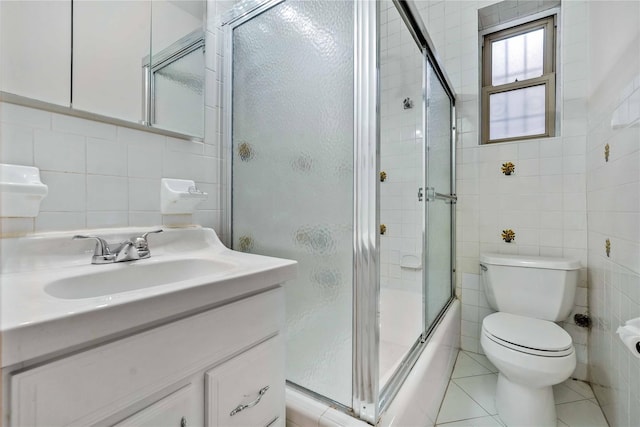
548	77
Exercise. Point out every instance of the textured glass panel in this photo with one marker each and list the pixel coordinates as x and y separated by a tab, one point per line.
438	229
518	112
517	58
293	175
402	160
179	95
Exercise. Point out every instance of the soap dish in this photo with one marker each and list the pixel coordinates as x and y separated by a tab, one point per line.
21	191
179	196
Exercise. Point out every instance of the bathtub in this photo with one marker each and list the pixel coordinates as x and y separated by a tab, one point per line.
418	401
400	326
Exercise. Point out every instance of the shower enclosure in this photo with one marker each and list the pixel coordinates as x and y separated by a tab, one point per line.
339	127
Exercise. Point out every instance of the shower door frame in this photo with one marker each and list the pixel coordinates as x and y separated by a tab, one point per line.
368	401
366	239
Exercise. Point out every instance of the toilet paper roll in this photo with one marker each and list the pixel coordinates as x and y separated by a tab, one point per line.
630	336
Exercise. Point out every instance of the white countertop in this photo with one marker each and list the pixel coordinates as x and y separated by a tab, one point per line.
35	324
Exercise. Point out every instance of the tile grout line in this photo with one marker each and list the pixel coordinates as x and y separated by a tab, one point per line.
470	397
465	419
445	395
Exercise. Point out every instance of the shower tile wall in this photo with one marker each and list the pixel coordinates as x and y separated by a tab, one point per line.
544	202
613	205
400	211
401	154
102	175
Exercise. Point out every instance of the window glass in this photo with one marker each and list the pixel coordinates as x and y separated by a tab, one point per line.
517	58
519	82
516	113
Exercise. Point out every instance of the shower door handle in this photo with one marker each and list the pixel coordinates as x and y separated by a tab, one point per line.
432	195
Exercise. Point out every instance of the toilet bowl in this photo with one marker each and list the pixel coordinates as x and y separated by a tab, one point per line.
531	356
530	351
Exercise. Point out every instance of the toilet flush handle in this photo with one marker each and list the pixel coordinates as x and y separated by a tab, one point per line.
483	267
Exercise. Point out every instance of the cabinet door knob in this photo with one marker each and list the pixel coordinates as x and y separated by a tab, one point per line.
242	407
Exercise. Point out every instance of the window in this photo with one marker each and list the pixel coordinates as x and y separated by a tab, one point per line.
518	82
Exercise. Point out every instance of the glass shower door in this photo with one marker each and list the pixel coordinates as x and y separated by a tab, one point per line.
439	206
401	212
292	175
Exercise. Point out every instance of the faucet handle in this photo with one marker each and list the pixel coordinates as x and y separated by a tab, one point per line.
144	236
102	247
101	254
142	245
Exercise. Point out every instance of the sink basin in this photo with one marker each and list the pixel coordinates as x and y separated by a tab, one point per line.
53	299
129	276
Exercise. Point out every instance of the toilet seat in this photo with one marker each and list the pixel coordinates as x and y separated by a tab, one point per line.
527	335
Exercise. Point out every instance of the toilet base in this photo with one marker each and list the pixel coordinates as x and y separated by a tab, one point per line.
525	406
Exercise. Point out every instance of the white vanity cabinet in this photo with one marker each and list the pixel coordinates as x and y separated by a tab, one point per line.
202	369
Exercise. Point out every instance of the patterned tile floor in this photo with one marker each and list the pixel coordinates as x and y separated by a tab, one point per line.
470	398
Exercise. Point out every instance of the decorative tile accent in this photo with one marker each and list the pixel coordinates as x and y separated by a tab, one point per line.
245	151
383	176
606	152
508	168
508	235
607	248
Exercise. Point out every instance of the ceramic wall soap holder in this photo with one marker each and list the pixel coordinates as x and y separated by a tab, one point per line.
21	191
179	196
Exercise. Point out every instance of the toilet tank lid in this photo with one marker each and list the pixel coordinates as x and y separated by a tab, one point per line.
530	261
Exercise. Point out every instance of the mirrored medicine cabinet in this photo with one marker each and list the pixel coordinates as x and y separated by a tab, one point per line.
138	61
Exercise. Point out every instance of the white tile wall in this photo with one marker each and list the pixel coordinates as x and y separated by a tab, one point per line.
101	175
544	202
613	206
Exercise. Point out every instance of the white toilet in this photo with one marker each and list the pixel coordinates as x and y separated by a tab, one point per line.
531	352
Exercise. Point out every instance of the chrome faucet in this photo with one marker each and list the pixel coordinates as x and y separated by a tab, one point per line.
129	250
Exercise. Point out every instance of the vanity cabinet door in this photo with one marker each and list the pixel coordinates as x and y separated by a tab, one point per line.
182	408
248	390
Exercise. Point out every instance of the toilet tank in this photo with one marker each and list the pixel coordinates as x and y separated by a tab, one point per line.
539	287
